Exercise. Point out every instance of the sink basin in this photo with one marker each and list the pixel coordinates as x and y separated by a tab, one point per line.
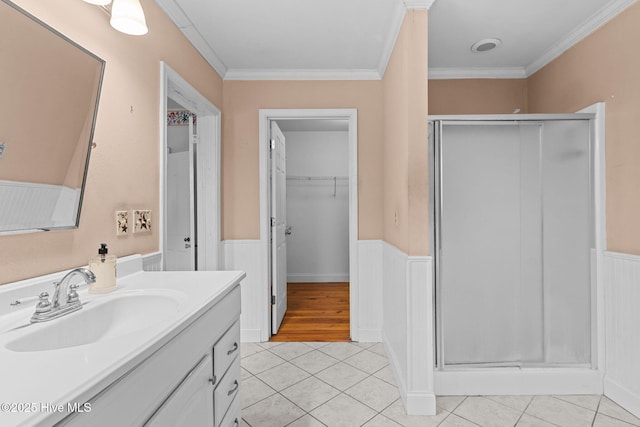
100	319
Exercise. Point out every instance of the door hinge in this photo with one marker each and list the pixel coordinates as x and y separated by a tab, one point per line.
273	299
272	144
273	222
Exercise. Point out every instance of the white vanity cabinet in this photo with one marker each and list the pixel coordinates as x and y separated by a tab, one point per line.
191	404
191	380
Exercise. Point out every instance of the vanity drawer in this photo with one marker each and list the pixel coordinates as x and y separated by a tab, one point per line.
225	350
226	391
232	419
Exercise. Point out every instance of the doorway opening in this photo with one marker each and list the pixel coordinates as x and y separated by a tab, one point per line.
181	174
316	233
189	176
309	223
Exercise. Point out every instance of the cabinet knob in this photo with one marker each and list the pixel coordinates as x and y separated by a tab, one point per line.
213	380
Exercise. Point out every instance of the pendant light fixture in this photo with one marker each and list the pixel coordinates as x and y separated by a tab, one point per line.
98	2
127	16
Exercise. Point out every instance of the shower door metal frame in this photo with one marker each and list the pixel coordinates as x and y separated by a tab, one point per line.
435	211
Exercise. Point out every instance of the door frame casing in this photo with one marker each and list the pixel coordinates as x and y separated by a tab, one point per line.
265	117
207	168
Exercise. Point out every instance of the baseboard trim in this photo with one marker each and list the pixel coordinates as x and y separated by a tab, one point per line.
420	403
370	335
250	335
622	396
395	365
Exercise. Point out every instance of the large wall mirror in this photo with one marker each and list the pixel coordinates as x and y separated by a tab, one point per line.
49	92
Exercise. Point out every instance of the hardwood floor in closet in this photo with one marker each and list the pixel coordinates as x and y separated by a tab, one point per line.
316	312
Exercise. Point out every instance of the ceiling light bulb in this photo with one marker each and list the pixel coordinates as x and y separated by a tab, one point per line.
98	2
127	17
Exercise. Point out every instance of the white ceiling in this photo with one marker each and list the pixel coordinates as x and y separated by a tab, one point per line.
532	32
353	39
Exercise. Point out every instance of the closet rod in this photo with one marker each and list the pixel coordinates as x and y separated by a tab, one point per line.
315	178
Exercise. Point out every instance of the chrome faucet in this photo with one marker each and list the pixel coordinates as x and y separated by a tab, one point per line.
70	302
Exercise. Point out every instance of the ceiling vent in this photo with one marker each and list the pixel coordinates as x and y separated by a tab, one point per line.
485	45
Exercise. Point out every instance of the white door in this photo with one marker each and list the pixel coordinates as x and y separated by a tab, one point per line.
278	226
180	253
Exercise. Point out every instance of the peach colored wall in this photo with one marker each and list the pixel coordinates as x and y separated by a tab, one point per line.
406	139
240	154
124	171
604	67
477	96
44	74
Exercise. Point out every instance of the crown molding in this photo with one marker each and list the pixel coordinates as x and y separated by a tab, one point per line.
318	74
392	37
418	4
180	19
175	12
477	73
597	20
205	50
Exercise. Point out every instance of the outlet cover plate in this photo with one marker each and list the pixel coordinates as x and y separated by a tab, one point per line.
122	223
141	221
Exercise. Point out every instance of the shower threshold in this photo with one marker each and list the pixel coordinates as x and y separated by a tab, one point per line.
512	365
497	380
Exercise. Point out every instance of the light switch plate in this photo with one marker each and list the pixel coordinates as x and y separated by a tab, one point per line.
122	223
141	221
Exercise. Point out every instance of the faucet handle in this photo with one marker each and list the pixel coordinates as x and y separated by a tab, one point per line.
73	294
44	305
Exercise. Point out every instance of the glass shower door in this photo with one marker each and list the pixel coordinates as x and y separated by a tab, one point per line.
513	242
483	245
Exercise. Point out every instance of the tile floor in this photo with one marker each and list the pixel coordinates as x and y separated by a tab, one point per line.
351	384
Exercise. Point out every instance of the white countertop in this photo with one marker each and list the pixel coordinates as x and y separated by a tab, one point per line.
41	379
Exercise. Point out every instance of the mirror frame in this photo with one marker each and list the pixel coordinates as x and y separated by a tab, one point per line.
102	64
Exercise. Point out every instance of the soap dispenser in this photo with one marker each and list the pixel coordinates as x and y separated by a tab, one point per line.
103	266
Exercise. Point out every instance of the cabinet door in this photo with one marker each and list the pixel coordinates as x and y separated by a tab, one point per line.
225	351
191	404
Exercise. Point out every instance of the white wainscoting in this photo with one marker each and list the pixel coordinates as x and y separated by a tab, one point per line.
394	311
246	255
408	326
370	290
30	205
622	324
152	261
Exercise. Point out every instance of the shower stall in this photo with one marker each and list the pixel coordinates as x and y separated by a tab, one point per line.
513	242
